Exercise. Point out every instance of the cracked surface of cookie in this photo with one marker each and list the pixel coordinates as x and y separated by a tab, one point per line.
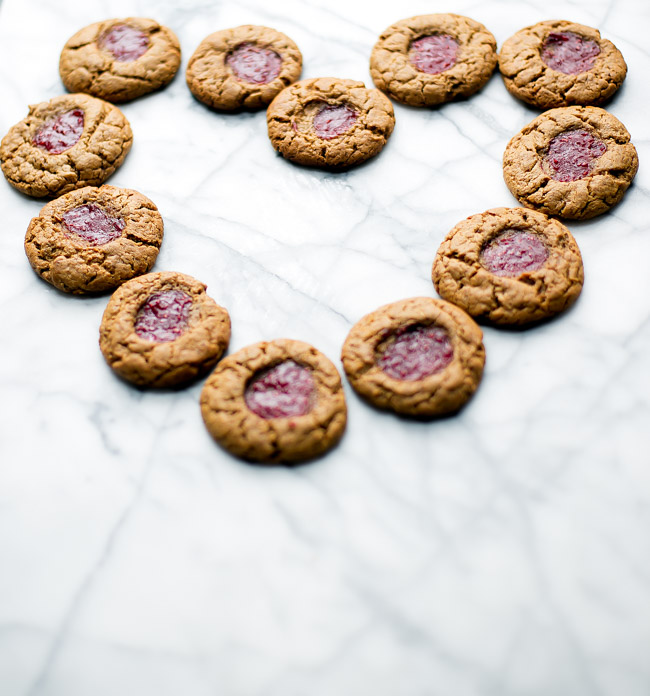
64	144
575	162
419	357
509	266
329	122
94	239
275	401
560	63
120	59
431	59
162	330
243	68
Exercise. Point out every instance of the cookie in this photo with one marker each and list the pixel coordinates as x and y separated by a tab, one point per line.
94	239
420	357
120	59
330	123
574	162
509	266
162	330
244	67
64	144
559	63
275	401
432	59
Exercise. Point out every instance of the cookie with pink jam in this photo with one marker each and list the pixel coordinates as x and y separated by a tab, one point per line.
120	59
574	162
330	123
162	330
560	63
431	59
243	68
275	401
419	357
509	266
64	144
94	239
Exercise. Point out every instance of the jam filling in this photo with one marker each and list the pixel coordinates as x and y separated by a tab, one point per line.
164	316
61	133
571	154
569	53
416	352
434	54
514	252
125	43
282	391
254	64
93	224
334	120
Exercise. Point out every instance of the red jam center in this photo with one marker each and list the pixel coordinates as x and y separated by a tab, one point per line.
255	64
417	352
282	391
61	133
569	53
571	154
332	121
124	42
164	316
514	252
92	224
433	54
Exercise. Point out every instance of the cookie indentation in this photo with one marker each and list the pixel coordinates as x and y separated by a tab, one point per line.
334	120
254	64
569	53
125	43
571	154
164	316
61	133
433	54
282	391
416	352
514	252
93	224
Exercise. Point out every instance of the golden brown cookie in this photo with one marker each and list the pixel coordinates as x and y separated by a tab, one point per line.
64	144
420	357
275	401
244	67
330	123
574	162
120	59
560	63
432	59
162	330
510	266
94	239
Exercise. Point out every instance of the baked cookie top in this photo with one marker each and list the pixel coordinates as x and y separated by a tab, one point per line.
420	357
431	59
162	330
63	144
94	239
574	162
329	122
244	67
120	59
275	401
509	266
560	63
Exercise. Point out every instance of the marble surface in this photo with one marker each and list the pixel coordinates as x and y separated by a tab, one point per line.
503	551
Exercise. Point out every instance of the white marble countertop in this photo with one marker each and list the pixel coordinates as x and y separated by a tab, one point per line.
504	551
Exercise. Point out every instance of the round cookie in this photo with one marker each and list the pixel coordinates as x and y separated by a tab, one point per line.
94	239
560	63
329	122
244	67
275	401
574	162
162	330
120	59
431	59
420	357
64	144
510	266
